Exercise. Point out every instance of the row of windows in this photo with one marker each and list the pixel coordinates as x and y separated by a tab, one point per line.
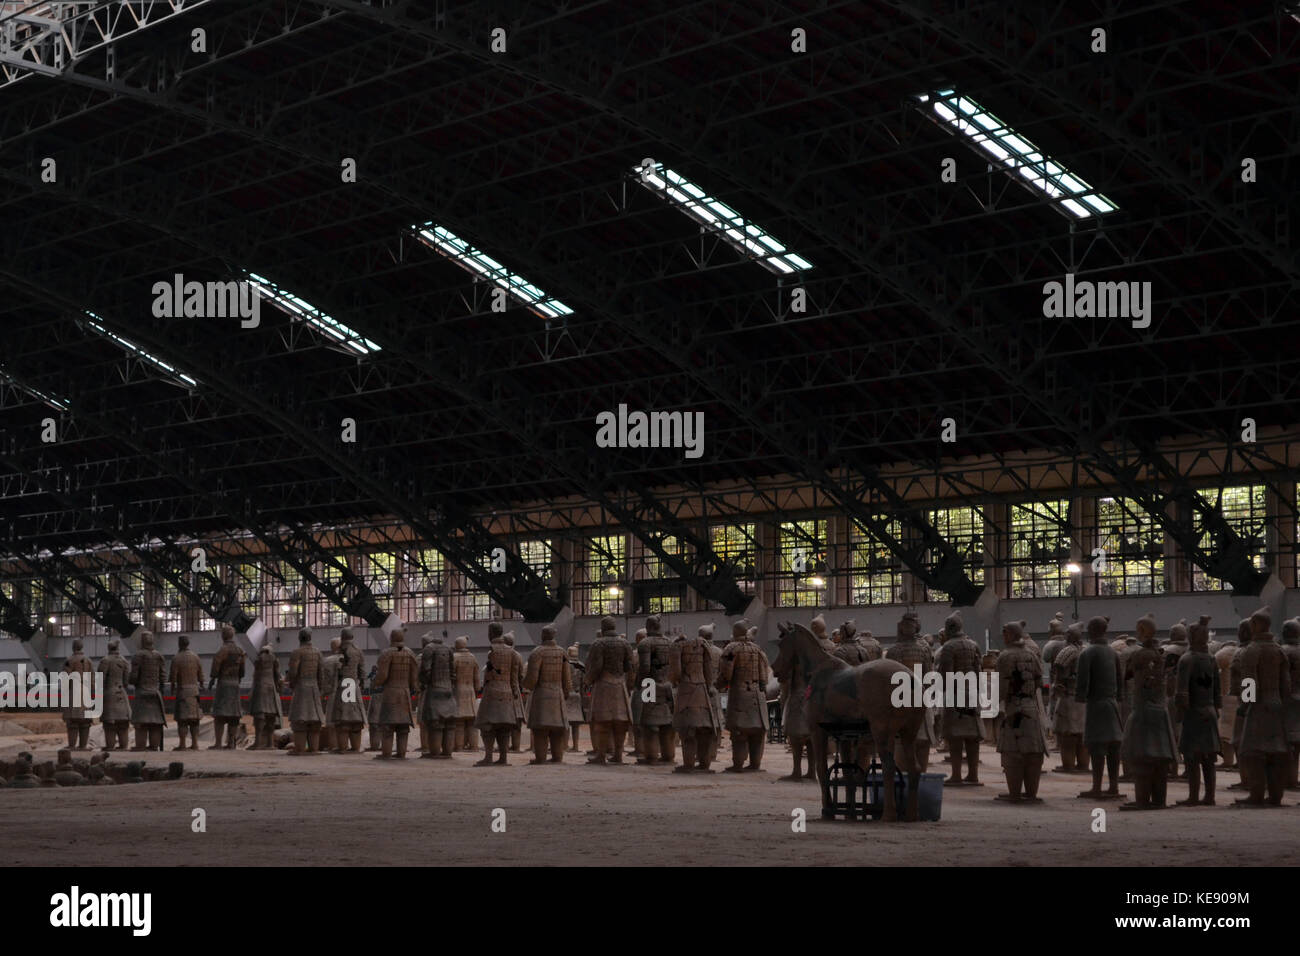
618	575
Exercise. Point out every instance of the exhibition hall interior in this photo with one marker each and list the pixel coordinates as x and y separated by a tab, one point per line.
838	433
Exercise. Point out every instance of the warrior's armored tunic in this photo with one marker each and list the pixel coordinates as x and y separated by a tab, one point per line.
911	650
117	707
265	699
399	675
329	679
654	660
1023	729
468	682
550	682
79	664
1223	659
227	668
1149	734
345	702
693	672
853	650
1263	730
745	671
502	677
1098	678
960	656
1292	703
305	669
147	671
439	704
574	701
611	671
715	695
520	714
1071	714
1197	678
187	679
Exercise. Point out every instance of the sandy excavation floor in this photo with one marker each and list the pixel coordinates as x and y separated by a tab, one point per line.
336	810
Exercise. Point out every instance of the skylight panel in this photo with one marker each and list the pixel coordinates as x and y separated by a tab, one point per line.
730	226
447	243
176	376
961	114
303	311
59	404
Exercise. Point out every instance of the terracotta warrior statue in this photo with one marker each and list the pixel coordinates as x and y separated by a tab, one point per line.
635	701
1022	735
227	672
693	671
502	679
573	701
186	678
468	682
1265	754
1173	649
1199	698
306	712
399	675
744	673
117	706
425	641
375	737
329	679
1071	713
264	701
911	650
794	716
516	735
989	664
438	703
1055	638
611	674
1291	648
853	649
1149	736
1244	635
347	713
1055	641
1223	658
148	670
654	661
550	683
715	697
1099	677
960	657
74	717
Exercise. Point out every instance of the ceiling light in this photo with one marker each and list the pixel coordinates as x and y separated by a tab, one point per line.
475	261
962	115
303	311
176	376
717	217
59	404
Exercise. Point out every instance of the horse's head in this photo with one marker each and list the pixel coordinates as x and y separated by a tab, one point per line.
786	653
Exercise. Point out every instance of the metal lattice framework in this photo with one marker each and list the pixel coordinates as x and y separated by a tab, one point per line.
925	303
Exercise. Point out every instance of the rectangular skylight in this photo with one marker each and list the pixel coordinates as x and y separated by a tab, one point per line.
60	404
745	237
447	243
303	311
1013	152
177	377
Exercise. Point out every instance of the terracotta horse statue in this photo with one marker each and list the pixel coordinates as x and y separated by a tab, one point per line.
839	693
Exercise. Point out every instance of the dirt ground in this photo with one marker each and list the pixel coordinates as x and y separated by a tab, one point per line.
337	810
